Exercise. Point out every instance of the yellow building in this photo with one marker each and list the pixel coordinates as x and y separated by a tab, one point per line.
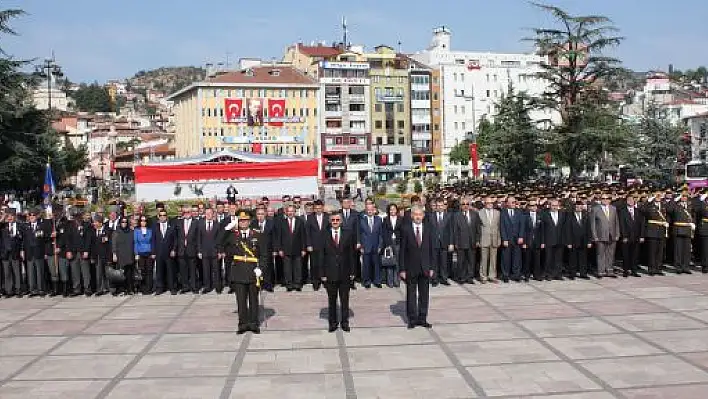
267	108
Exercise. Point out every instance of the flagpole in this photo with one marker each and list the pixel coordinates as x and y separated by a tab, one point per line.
49	181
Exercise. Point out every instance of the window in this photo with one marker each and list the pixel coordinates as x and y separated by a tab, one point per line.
455	125
462	109
462	92
400	107
487	93
462	77
454	109
495	78
379	140
401	124
487	77
378	124
401	141
377	107
435	96
462	124
352	140
460	61
454	76
436	127
389	124
356	107
262	93
357	125
209	112
338	140
356	90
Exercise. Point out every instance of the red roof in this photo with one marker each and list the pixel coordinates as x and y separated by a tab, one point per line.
265	74
318	51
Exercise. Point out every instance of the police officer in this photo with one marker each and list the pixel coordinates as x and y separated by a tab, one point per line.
245	250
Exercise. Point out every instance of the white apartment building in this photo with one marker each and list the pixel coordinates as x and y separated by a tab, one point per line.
472	83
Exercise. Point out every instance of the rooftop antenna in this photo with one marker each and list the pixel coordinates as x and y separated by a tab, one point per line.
399	47
345	32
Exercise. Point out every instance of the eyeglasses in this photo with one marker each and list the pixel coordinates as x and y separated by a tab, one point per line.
465	203
335	220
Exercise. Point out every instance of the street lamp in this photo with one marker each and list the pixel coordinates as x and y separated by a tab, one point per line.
49	70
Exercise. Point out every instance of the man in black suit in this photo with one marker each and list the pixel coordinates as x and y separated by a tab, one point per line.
186	247
467	228
100	253
339	252
265	226
512	229
577	239
632	231
553	221
291	246
441	222
416	260
11	245
350	221
34	247
163	246
315	225
208	237
533	242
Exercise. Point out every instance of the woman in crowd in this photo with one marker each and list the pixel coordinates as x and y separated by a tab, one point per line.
123	255
391	241
143	253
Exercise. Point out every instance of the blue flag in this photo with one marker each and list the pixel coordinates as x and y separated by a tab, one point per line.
48	189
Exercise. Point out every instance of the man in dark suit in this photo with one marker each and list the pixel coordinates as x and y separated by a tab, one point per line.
533	242
682	230
316	224
10	247
34	247
632	231
291	247
553	221
512	228
577	239
100	253
350	221
208	237
604	233
416	259
442	223
186	248
163	246
371	244
656	230
266	226
339	252
467	228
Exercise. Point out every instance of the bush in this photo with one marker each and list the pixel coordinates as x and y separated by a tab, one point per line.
402	187
417	187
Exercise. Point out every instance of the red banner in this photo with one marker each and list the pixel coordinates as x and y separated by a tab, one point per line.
260	170
256	148
474	159
232	109
276	111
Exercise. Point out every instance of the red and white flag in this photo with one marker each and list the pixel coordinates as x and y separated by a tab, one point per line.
276	111
232	109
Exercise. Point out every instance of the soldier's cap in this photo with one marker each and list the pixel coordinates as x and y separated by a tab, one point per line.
244	216
579	203
113	208
33	212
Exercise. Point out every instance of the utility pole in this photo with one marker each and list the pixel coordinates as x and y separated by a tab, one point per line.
49	70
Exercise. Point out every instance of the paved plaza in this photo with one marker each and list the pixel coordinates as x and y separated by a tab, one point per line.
632	338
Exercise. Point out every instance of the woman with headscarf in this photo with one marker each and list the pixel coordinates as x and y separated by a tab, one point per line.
123	255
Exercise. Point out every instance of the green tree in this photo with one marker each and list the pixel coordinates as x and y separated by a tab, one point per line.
577	66
658	142
511	142
93	98
460	154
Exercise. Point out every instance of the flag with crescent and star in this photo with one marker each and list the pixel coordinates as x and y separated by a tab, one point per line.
232	109
276	111
49	188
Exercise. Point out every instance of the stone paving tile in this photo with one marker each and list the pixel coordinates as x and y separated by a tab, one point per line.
144	312
140	326
630	306
18	346
502	289
105	301
45	327
13	315
598	346
291	362
700	358
679	341
683	304
116	344
300	339
76	367
216	310
78	314
501	352
475	315
644	371
11	364
654	321
590	296
176	388
207	364
577	285
397	357
525	299
159	300
658	292
307	321
206	342
672	392
53	390
387	336
293	386
479	332
530	379
568	327
204	324
28	303
583	395
698	314
462	302
539	312
409	384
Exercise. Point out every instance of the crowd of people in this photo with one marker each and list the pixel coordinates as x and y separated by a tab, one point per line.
468	233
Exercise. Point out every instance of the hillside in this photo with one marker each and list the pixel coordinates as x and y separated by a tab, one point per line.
167	79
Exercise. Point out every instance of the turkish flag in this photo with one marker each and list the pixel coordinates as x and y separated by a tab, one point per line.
474	159
276	110
232	107
257	148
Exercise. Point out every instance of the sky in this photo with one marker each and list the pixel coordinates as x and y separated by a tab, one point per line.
100	40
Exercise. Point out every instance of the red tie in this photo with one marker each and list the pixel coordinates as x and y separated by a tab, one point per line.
290	224
418	239
336	237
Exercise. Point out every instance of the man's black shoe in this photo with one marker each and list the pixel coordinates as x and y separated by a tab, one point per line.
332	329
411	325
425	324
345	328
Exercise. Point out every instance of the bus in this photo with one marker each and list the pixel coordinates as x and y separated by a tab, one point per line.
696	174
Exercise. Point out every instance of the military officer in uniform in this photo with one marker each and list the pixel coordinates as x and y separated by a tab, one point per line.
682	229
245	251
656	229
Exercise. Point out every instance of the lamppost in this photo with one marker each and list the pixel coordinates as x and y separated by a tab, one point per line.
49	70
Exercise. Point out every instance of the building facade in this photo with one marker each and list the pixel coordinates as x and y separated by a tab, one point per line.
471	83
263	108
421	95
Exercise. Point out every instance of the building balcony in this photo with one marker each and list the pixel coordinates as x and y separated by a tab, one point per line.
333	114
420	136
421	150
357	115
333	130
359	167
389	98
357	98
